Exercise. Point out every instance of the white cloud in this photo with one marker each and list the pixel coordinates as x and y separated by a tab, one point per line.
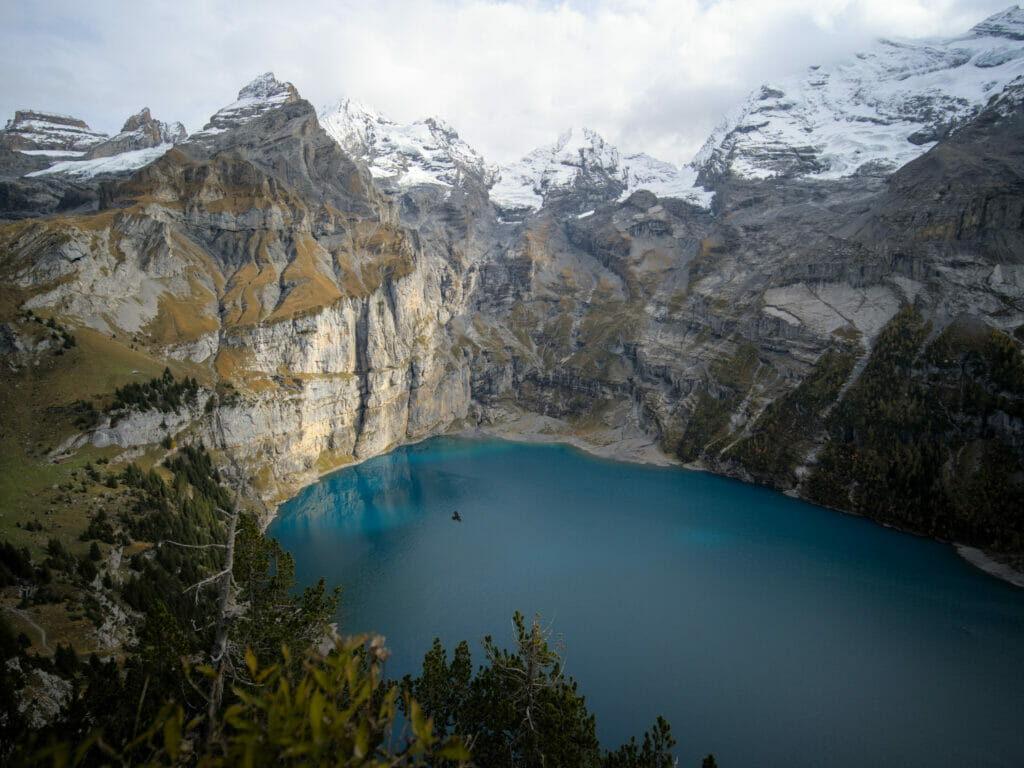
651	75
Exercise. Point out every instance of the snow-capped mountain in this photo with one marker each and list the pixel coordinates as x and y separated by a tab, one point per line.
427	151
258	97
582	164
50	134
430	151
875	112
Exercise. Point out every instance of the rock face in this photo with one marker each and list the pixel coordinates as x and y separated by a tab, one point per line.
853	338
264	252
31	131
263	94
140	131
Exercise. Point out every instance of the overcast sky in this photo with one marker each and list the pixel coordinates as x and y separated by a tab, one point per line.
650	75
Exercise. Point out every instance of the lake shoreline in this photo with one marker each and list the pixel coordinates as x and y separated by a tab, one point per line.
987	563
631	448
635	447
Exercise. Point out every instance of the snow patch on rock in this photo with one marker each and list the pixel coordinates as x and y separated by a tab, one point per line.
115	164
255	99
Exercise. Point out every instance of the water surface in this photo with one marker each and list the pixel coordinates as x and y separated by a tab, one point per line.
768	631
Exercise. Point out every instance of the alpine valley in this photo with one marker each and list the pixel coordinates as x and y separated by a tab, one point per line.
829	300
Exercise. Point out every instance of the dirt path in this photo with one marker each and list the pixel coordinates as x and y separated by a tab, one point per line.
42	632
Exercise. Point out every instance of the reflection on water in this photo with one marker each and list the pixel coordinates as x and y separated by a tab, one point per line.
766	630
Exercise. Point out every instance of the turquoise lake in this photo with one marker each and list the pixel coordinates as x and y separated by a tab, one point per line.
766	630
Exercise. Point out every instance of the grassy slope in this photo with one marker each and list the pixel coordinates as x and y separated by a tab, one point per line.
35	401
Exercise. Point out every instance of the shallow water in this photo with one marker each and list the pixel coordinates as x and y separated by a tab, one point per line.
766	630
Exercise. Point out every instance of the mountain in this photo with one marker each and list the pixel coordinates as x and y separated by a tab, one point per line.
870	114
255	248
262	95
54	163
140	131
339	285
400	156
48	133
581	170
141	141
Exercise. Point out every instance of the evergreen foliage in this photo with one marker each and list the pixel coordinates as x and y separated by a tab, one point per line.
85	413
710	416
653	753
12	720
99	528
783	433
59	559
15	565
709	420
164	393
112	704
520	709
912	442
272	614
333	709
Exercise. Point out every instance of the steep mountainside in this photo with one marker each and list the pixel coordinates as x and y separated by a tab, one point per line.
263	252
850	337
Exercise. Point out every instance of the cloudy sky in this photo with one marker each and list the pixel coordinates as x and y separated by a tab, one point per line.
651	75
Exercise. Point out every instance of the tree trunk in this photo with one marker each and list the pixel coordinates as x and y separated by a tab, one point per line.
220	643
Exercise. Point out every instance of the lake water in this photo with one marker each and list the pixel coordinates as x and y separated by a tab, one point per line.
766	630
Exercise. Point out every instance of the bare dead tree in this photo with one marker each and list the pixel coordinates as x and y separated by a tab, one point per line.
219	656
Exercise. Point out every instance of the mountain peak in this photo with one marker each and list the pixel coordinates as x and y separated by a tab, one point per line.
266	87
136	121
261	95
427	151
576	139
873	112
37	131
580	169
1007	23
140	131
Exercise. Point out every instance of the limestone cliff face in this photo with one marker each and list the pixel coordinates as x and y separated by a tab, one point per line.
265	255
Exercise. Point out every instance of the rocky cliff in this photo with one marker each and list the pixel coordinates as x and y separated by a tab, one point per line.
266	255
140	131
851	337
47	133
